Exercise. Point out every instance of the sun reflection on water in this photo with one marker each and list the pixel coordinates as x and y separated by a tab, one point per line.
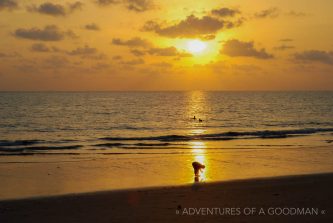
199	155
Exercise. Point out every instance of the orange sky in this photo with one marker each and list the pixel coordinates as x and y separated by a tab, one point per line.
144	45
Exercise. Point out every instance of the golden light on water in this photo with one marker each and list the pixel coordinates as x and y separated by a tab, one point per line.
197	145
199	155
196	107
198	131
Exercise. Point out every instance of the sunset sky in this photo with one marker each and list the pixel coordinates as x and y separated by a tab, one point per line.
166	45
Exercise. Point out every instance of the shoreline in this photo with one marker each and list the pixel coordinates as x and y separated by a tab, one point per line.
46	176
162	203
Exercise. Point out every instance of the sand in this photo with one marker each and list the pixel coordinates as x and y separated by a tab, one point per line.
310	196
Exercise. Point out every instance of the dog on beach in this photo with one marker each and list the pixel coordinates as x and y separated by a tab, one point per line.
197	167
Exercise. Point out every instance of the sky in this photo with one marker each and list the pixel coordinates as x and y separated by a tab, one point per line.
155	45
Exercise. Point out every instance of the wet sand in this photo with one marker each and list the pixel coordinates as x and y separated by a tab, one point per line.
176	204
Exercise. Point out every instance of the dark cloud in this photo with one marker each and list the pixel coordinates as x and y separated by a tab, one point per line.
138	53
325	57
40	47
190	27
225	12
148	48
284	47
134	42
297	14
83	51
75	6
87	52
48	33
106	2
132	5
167	52
274	12
49	8
237	48
268	13
53	9
8	5
92	26
139	5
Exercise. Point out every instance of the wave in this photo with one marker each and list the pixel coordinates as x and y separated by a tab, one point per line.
37	148
265	134
20	142
111	145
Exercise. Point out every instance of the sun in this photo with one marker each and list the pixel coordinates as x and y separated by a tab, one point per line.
196	46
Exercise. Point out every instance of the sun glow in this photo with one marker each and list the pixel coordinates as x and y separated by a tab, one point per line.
196	46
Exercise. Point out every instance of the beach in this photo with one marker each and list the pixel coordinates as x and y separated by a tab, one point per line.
80	157
304	198
38	175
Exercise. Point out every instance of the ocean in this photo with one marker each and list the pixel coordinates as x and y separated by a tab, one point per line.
264	133
48	122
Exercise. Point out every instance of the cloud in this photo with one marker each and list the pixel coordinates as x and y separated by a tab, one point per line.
139	5
190	27
268	13
132	5
138	53
75	6
83	51
325	57
92	26
53	9
284	47
237	48
87	52
167	52
106	2
296	14
225	12
133	62
48	33
275	12
134	42
40	47
8	5
148	48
